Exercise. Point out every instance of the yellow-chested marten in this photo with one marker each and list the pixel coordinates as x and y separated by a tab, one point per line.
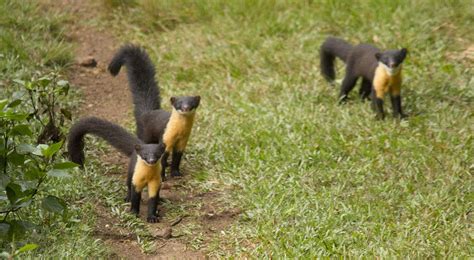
159	132
380	72
153	123
144	168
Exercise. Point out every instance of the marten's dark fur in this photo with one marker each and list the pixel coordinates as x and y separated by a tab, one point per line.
380	71
141	78
154	124
115	135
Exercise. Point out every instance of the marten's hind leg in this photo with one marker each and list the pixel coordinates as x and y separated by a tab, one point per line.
131	169
348	84
377	104
175	162
164	164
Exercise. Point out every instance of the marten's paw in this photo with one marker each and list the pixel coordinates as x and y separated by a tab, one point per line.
175	173
152	219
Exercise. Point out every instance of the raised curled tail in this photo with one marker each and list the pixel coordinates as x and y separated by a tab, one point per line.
330	49
115	135
141	78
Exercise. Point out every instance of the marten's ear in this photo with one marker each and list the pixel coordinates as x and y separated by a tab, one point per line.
403	53
172	100
378	55
198	98
138	147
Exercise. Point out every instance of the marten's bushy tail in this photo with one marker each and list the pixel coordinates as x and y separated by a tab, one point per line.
332	48
115	135
141	78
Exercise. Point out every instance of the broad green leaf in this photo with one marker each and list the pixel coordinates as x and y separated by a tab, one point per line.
59	173
52	149
65	165
40	148
29	85
44	81
32	174
16	158
27	148
19	228
13	192
24	203
21	130
27	247
15	103
54	204
14	116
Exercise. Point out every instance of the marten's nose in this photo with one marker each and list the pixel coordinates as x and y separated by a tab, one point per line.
151	161
392	64
185	107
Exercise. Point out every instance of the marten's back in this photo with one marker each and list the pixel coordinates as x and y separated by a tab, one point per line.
154	123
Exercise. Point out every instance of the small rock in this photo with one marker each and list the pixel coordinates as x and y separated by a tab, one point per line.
166	186
165	233
88	61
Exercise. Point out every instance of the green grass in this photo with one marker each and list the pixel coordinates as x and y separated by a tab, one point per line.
315	178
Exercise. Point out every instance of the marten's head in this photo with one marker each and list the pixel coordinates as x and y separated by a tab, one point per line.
185	105
150	153
391	60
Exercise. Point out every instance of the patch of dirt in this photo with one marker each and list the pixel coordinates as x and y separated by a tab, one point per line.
108	97
121	241
466	55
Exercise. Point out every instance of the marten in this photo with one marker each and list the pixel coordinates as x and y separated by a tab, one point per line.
153	123
144	168
380	72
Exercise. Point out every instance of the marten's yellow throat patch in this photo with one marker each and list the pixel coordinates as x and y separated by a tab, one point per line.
146	174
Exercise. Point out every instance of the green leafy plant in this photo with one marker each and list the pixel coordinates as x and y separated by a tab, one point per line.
30	144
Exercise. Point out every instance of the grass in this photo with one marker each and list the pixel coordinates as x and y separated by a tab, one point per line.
315	178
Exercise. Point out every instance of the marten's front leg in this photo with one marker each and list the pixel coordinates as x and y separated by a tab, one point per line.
377	104
396	102
136	196
153	198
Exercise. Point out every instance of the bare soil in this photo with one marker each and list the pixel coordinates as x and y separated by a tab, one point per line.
108	97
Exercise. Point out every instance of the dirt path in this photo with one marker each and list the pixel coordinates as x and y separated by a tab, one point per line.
108	97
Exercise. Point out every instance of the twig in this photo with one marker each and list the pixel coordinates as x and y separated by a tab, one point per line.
176	222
